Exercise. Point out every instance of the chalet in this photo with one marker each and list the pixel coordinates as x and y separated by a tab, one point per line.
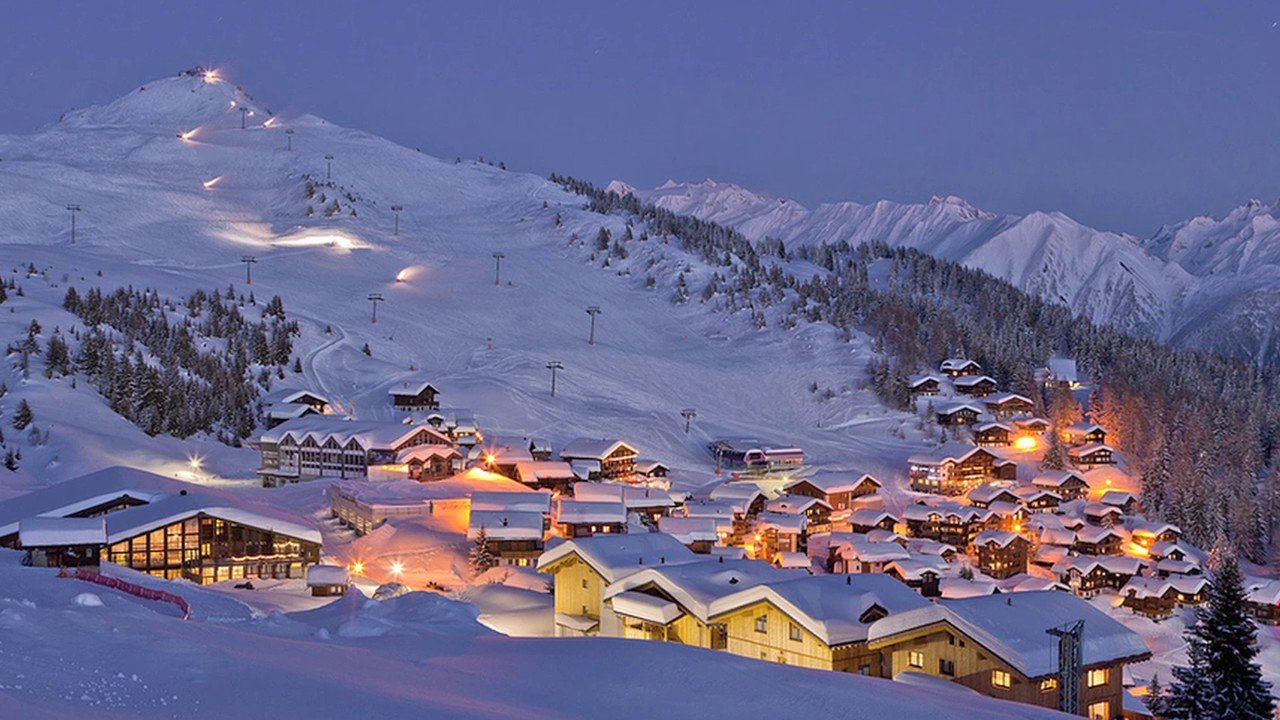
959	414
1091	456
1009	405
746	498
1168	550
1263	601
816	511
577	519
817	622
837	490
1008	516
1084	433
582	569
1121	569
610	459
329	446
778	533
951	470
996	645
415	395
63	542
1067	484
460	427
363	506
1102	515
547	474
975	385
773	460
1085	576
852	553
924	384
1061	372
1001	554
539	450
430	462
992	434
698	534
1037	499
1033	425
1125	502
514	538
951	523
984	495
652	469
958	367
1004	469
1150	597
865	520
1093	540
917	574
159	526
285	405
328	580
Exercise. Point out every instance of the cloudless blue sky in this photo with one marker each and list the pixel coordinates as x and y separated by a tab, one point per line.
1123	115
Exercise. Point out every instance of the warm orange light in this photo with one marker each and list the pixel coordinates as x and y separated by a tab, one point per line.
397	568
402	275
188	135
211	76
490	458
357	568
1026	442
271	122
1136	549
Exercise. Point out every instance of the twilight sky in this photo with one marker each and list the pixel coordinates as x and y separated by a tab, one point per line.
1123	115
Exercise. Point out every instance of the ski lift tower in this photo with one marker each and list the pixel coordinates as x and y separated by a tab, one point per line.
1070	665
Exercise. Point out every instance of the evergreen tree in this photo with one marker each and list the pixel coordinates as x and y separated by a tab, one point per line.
10	461
1222	680
297	365
481	559
23	416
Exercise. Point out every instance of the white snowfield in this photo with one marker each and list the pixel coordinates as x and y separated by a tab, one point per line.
1206	282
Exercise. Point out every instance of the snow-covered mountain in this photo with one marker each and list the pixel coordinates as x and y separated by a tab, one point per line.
1171	287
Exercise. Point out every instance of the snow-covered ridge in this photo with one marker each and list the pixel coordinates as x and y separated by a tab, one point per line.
1196	283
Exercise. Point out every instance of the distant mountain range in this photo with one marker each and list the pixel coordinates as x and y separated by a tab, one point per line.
1208	283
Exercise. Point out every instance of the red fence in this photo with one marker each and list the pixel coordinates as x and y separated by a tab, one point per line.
134	589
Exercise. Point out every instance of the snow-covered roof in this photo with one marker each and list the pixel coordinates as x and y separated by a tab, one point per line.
794	504
134	521
506	525
696	586
533	471
648	467
744	493
782	522
539	502
1062	369
912	568
1058	479
296	396
369	434
990	492
597	492
1264	592
710	509
921	378
1004	398
1014	627
87	491
834	482
792	560
411	388
971	380
862	549
966	513
1082	428
62	532
639	497
1001	538
958	363
426	452
616	556
455	487
1092	534
989	426
870	516
951	452
1089	449
1031	493
589	449
646	607
954	408
832	607
1119	498
289	412
689	529
576	512
320	575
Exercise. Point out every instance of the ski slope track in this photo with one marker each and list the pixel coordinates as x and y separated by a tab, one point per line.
1207	283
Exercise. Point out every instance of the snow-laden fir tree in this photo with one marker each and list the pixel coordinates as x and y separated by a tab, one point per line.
23	416
1222	679
481	558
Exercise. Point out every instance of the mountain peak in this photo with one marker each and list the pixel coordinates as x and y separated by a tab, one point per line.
962	207
192	98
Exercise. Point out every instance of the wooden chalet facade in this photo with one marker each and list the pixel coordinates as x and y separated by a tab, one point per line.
1001	554
1085	434
962	414
952	523
959	367
975	385
1092	455
415	395
927	384
953	470
992	435
1066	484
839	492
1009	405
615	459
